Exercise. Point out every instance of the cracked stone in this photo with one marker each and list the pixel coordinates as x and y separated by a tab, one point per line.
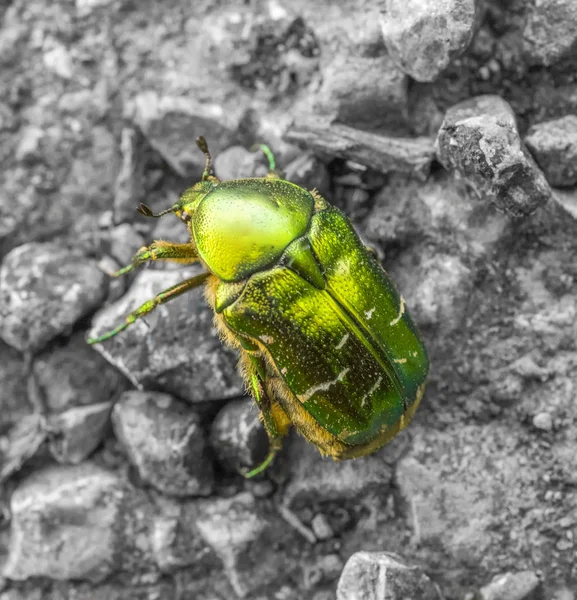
479	139
550	32
238	437
242	533
424	36
44	290
523	585
63	521
364	92
175	349
171	123
553	144
74	374
384	576
165	442
77	432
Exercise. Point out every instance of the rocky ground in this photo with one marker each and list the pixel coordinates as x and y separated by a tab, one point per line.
447	130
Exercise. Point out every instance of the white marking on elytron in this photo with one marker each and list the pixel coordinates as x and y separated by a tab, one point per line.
284	371
342	342
267	339
415	354
369	313
401	312
323	387
371	391
342	268
400	361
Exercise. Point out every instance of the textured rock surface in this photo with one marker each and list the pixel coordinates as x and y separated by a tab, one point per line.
479	139
549	33
553	144
238	437
381	576
524	585
364	92
175	348
74	374
423	37
165	442
64	524
240	533
44	290
78	431
100	103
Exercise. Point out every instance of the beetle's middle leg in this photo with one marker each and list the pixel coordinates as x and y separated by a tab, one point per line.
161	250
161	298
276	422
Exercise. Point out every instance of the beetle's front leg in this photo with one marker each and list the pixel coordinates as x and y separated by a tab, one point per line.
150	305
276	423
161	250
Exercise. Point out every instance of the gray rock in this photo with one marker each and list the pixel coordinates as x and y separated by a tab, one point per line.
128	188
175	348
57	59
364	92
309	172
523	585
479	140
20	443
77	432
272	51
176	542
125	242
171	124
384	154
14	403
407	212
86	7
28	148
44	290
74	374
543	421
242	532
438	290
238	437
321	527
553	144
384	576
424	36
324	569
237	162
550	32
165	442
64	524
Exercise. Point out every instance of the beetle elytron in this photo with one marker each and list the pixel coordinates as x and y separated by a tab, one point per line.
325	340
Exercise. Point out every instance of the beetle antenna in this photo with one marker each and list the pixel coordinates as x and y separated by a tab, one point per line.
203	147
147	212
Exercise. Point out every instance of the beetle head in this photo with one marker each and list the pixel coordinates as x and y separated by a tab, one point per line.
189	201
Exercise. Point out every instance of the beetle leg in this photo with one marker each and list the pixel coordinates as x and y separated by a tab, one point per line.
274	426
150	305
161	250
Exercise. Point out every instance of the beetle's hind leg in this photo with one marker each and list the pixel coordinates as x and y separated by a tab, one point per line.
161	250
150	305
276	422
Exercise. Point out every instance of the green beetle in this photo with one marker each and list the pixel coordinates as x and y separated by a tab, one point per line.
325	341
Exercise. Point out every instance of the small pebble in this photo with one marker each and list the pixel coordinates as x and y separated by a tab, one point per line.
543	421
321	527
